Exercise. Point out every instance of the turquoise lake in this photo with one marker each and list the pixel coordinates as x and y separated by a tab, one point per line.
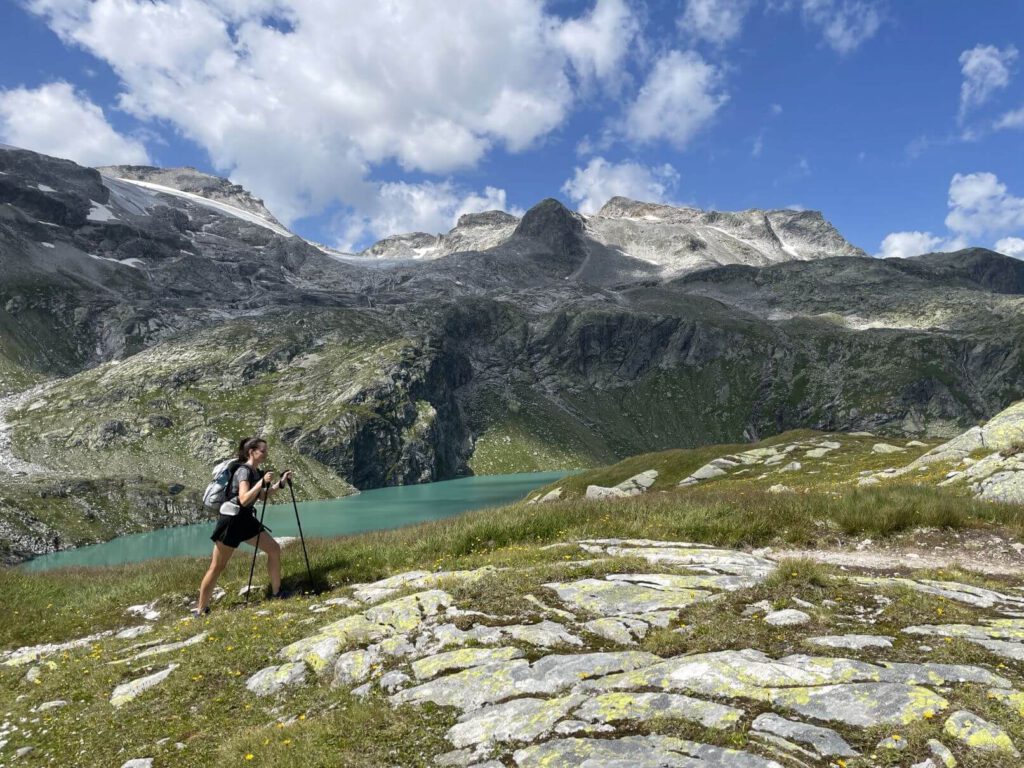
368	511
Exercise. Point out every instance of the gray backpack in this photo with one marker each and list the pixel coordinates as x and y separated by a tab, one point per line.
215	492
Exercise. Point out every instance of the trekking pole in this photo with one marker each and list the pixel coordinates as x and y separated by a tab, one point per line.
256	551
302	538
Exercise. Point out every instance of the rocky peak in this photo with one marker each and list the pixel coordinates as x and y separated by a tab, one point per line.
474	232
48	189
625	208
552	224
682	240
487	219
412	245
195	182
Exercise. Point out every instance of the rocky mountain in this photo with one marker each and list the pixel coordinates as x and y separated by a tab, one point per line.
474	232
193	182
672	240
155	325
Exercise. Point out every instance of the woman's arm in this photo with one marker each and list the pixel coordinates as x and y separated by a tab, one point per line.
247	495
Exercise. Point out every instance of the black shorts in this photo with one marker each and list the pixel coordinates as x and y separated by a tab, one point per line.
232	530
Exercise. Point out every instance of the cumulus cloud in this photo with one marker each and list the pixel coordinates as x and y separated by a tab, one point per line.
426	207
1011	246
844	24
681	95
980	204
591	187
903	245
980	208
302	99
986	69
715	21
598	42
56	120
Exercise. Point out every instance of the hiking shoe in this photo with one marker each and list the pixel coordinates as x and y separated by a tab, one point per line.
196	613
282	594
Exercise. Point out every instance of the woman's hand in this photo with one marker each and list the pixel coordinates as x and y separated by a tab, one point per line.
285	478
267	478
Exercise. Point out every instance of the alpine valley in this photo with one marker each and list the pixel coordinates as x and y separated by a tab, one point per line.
151	317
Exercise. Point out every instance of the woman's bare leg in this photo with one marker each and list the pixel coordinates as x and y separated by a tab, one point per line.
218	562
269	545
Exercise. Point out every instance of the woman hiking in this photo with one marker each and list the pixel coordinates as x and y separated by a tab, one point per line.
238	523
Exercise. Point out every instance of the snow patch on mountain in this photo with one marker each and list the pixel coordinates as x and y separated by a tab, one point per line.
230	210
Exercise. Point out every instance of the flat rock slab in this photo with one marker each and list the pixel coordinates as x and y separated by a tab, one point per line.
824	741
1003	637
635	752
686	581
825	688
619	630
395	617
790	617
32	653
271	680
494	682
432	666
129	691
968	728
638	707
720	560
862	704
522	720
747	674
969	594
851	642
611	598
170	647
385	588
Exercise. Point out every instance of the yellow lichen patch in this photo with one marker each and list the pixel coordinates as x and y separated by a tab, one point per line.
1012	699
462	658
978	734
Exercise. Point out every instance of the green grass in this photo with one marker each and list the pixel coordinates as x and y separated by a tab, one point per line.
509	537
205	706
842	467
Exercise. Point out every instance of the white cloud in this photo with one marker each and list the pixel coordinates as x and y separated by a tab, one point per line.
593	186
1014	119
597	43
903	245
980	204
681	95
301	106
980	207
758	147
776	109
426	207
844	24
55	120
986	69
716	21
1011	246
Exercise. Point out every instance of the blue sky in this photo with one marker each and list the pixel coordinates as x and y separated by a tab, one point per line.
902	121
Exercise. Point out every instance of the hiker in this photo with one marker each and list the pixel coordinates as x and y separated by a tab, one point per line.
237	521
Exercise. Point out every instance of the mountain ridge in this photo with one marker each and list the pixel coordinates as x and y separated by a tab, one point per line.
163	325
